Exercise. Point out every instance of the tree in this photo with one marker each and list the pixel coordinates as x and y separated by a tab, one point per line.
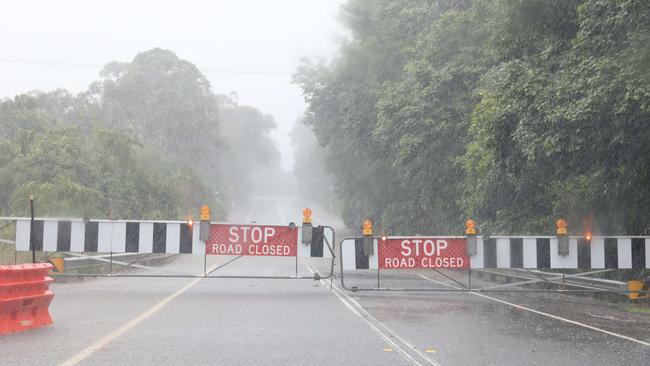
512	112
169	106
342	99
560	130
144	142
249	147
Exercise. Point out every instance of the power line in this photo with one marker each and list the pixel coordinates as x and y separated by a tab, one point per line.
46	63
264	72
11	86
210	70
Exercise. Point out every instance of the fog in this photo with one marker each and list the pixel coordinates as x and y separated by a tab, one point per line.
416	115
249	47
383	151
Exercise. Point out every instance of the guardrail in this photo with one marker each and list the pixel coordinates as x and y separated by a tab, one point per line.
109	263
578	280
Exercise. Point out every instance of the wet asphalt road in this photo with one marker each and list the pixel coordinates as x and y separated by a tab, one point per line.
176	321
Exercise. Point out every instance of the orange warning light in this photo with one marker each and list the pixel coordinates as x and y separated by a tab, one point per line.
190	220
587	235
205	213
470	227
561	227
367	227
306	216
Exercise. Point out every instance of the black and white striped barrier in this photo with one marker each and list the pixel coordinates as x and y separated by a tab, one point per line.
322	243
124	236
352	256
105	236
542	252
619	252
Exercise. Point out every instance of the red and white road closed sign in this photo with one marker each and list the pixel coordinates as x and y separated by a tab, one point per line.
422	252
226	239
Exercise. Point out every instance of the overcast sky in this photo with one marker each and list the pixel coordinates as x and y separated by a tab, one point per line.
250	47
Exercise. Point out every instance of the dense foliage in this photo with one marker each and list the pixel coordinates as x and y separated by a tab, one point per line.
147	140
512	112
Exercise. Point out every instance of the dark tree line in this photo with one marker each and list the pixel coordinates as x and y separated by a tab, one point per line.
512	112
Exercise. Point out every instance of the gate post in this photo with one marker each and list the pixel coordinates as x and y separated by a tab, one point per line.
307	228
562	238
470	233
204	234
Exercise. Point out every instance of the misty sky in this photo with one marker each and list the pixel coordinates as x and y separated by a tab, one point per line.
250	47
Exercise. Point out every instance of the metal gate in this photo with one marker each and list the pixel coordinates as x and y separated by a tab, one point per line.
538	263
78	247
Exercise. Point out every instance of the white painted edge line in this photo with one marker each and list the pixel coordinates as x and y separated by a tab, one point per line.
358	310
565	320
85	353
250	213
283	218
394	334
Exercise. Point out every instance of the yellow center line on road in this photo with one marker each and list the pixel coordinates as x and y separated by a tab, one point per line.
128	326
565	320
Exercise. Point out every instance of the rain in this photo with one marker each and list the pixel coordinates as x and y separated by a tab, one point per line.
460	182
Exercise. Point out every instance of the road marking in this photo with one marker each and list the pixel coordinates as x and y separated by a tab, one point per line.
569	321
358	310
250	213
128	326
394	334
283	220
385	337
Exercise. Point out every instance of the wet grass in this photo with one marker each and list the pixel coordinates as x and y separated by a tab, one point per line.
7	250
6	254
638	309
7	232
9	256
